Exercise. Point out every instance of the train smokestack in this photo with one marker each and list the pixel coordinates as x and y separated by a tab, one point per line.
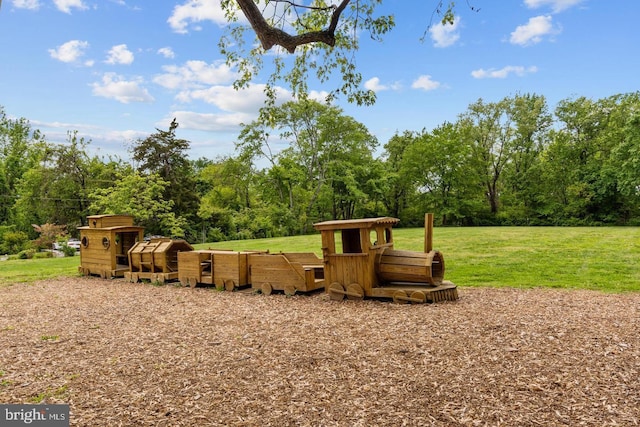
428	233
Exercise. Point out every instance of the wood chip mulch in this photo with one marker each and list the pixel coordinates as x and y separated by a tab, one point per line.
125	354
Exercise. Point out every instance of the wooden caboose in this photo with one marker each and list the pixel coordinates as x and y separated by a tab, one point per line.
104	245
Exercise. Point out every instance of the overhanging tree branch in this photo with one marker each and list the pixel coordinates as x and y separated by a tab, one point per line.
270	36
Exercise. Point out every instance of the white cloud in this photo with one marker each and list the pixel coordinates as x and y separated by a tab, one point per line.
226	98
26	4
194	11
503	72
167	52
66	5
211	122
70	51
120	55
195	74
444	35
116	87
556	5
375	85
320	96
425	82
533	31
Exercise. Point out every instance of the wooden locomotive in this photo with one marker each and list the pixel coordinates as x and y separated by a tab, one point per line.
358	261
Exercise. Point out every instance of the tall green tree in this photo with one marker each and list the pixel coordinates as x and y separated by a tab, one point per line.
487	129
531	121
55	189
505	136
317	139
398	189
437	164
21	148
591	132
164	154
140	196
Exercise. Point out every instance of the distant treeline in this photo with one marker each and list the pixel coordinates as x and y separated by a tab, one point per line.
511	162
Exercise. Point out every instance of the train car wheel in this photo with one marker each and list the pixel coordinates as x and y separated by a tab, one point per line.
229	285
336	292
355	292
266	288
289	290
418	297
400	297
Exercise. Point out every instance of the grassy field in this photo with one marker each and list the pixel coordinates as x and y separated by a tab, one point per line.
601	258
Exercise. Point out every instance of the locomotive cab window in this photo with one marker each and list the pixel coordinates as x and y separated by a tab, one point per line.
380	236
349	241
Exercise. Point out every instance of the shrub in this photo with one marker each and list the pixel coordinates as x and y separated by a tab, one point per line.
39	255
26	254
13	242
68	250
49	233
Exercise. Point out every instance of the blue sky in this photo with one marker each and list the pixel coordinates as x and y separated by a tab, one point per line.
115	70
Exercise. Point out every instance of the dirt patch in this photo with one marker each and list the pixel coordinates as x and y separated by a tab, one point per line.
136	354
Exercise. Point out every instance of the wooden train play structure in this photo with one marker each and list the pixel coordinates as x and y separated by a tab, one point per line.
358	261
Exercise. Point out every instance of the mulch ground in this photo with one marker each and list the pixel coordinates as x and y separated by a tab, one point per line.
125	354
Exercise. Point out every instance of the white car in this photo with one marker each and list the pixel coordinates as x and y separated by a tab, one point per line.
72	243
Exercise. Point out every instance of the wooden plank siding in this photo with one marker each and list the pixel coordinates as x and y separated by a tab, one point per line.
301	272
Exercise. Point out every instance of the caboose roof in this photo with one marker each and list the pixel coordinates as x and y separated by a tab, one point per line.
355	223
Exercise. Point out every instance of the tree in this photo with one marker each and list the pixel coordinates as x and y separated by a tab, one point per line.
164	154
531	121
317	139
20	149
488	130
68	181
437	166
397	188
505	136
55	188
140	196
324	35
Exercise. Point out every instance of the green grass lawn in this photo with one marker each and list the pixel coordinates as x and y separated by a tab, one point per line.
602	258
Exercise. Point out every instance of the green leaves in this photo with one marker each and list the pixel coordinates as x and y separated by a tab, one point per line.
325	52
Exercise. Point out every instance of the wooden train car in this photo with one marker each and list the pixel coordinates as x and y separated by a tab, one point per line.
225	269
155	260
104	245
288	272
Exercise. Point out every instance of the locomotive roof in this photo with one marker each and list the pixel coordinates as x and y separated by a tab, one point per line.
355	223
